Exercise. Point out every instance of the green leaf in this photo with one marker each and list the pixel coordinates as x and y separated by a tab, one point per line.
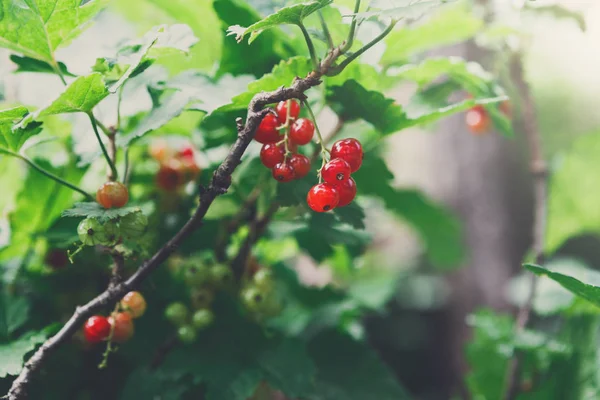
237	356
559	12
352	214
352	101
145	384
587	291
36	28
293	14
28	64
449	26
402	9
12	353
135	56
147	14
263	55
14	312
349	370
572	202
13	137
81	96
283	74
95	210
439	230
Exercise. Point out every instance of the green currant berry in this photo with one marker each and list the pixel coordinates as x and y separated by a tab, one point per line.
112	233
177	314
196	275
91	232
263	279
253	298
134	225
187	334
201	297
221	274
202	318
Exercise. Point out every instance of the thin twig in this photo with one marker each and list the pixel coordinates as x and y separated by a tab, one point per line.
218	186
112	152
113	169
310	45
351	33
50	175
540	186
118	270
162	351
256	230
334	132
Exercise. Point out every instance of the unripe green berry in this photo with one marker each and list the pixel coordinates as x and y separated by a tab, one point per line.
263	278
253	298
202	318
177	314
91	232
187	334
196	274
221	274
112	233
134	225
201	297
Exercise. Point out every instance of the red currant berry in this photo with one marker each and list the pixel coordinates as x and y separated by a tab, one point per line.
112	194
134	304
282	110
477	120
347	191
187	152
335	171
267	130
301	165
169	176
122	327
302	131
272	154
322	197
284	172
349	150
96	329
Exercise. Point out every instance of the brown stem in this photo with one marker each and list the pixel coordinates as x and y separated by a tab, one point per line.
112	152
529	126
218	186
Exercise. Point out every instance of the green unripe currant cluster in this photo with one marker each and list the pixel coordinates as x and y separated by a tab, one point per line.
92	232
203	280
259	297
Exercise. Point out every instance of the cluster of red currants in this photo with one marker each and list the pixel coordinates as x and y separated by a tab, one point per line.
478	119
337	188
279	155
118	327
177	167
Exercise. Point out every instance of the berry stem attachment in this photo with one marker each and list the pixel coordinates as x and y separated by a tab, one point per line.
324	151
310	45
49	174
113	169
109	342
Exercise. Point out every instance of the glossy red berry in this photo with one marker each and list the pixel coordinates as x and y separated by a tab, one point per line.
272	154
284	172
112	194
349	150
302	131
122	327
301	165
322	197
347	191
336	170
282	110
267	130
477	120
96	329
